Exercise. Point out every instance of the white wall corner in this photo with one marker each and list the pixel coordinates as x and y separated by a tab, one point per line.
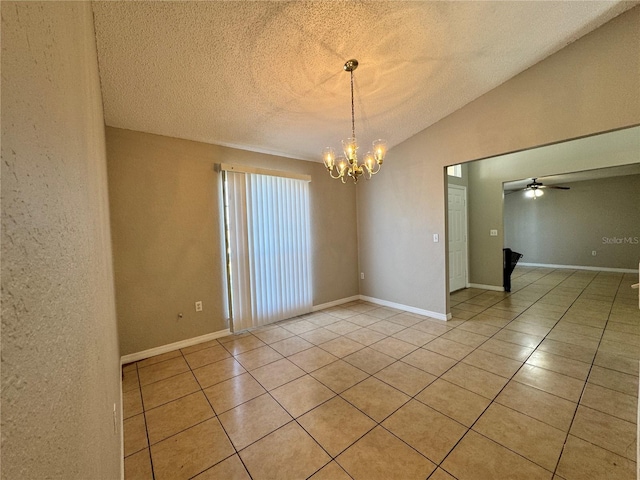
335	303
121	426
578	267
493	288
152	352
407	308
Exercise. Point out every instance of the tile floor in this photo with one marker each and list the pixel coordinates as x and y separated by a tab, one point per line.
541	383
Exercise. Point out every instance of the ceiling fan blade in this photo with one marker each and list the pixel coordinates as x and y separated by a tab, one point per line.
559	187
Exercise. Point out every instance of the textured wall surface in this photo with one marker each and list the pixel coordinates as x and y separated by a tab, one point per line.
60	359
563	227
168	252
592	85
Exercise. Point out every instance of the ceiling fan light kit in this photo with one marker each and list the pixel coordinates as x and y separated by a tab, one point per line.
348	166
535	189
533	193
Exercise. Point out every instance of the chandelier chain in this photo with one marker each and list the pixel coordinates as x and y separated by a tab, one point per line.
353	118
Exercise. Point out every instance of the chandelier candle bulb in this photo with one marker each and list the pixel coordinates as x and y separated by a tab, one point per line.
350	146
380	149
350	149
368	161
329	158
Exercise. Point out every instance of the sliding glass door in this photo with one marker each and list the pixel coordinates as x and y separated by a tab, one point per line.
268	247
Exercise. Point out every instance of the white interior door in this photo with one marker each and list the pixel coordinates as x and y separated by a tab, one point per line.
457	237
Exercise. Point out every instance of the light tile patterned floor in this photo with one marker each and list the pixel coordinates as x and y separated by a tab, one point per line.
541	383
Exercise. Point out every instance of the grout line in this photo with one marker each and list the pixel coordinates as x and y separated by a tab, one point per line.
512	379
216	416
584	387
146	428
395	360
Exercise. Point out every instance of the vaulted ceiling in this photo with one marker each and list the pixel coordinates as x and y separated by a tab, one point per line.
268	76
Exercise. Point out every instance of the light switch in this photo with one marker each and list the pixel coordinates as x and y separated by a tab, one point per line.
436	238
493	233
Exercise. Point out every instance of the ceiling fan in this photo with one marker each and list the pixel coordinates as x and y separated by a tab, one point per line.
535	188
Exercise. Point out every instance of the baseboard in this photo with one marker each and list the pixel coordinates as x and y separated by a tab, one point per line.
335	303
134	357
493	288
579	267
407	308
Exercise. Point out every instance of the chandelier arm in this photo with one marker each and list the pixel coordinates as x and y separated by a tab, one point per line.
339	175
376	170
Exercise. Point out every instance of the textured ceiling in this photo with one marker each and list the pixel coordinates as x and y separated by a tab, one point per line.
267	76
620	146
608	172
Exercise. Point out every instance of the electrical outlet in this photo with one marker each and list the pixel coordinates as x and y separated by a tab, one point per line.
198	306
493	233
593	253
361	275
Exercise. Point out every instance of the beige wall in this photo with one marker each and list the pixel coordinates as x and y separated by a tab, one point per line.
165	217
563	227
592	85
60	359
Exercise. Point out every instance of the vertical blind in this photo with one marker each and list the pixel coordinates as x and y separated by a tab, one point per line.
268	247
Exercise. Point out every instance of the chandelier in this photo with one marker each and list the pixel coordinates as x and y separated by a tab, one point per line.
348	165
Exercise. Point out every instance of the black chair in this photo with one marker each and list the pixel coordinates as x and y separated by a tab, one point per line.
509	261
